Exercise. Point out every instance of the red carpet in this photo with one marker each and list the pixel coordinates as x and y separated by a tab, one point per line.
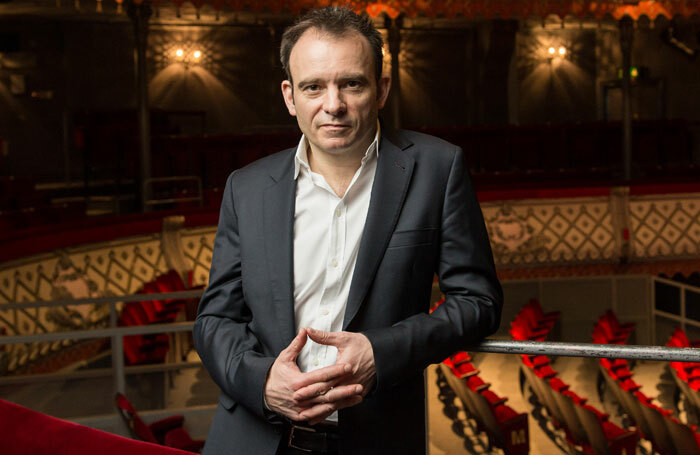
27	432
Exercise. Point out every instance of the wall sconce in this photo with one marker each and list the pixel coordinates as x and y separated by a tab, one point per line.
557	53
187	54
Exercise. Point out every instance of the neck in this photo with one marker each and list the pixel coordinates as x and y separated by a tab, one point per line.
341	164
338	170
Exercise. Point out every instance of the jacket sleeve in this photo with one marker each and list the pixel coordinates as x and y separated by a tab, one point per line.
467	276
228	349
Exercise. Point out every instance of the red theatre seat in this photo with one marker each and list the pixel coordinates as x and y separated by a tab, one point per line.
166	431
504	427
139	349
27	432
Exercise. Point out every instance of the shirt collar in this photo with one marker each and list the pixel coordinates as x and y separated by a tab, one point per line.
301	158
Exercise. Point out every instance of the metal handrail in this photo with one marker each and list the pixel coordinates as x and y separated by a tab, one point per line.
116	334
550	348
96	373
148	185
119	370
560	348
101	300
99	333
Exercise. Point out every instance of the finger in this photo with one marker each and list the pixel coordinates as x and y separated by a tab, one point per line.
332	395
291	352
314	390
327	338
322	415
323	375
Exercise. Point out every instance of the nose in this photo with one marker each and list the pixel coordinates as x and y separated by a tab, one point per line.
333	103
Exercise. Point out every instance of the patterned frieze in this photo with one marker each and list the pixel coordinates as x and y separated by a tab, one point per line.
96	270
534	232
198	245
665	226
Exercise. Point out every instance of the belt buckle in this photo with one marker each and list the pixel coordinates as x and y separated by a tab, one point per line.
291	437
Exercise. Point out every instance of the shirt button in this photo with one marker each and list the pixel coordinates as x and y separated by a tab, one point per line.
334	262
324	312
316	362
338	212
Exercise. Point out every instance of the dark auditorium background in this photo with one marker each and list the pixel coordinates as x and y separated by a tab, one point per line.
120	121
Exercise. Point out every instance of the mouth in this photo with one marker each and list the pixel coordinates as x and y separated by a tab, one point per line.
334	126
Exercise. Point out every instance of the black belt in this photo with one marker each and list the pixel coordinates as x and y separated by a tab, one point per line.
321	438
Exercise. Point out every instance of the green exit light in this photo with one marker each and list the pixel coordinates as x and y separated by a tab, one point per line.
634	72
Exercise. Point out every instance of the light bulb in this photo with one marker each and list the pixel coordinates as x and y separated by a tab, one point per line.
179	52
562	51
551	50
197	54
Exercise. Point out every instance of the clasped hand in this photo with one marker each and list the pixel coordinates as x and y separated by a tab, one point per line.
315	395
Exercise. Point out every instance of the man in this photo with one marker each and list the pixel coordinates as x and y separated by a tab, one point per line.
315	322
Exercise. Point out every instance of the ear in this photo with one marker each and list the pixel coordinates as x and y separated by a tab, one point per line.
383	87
288	95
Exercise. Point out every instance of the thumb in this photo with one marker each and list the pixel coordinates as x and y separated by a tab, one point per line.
326	338
290	353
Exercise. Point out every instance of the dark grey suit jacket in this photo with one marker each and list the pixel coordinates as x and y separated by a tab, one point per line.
423	219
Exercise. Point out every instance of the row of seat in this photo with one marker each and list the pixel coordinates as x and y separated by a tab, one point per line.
609	330
686	374
668	435
586	429
168	431
140	349
505	428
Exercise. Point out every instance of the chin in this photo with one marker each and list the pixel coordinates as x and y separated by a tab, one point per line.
336	147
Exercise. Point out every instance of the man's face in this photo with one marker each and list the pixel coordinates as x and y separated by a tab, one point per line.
335	96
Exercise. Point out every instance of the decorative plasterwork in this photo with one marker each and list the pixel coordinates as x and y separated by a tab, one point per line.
665	226
111	268
550	231
489	9
198	245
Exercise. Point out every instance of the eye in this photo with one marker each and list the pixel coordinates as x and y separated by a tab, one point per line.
353	84
312	88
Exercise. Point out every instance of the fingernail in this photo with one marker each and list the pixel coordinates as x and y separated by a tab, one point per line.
310	330
358	389
347	368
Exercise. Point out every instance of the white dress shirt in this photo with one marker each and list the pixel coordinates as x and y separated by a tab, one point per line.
327	233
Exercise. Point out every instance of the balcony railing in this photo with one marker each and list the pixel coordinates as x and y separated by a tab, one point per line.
118	369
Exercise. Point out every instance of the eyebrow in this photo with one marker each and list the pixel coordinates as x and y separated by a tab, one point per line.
349	77
301	84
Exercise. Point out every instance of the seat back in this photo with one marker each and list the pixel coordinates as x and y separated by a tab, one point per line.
137	427
633	408
460	389
684	439
486	414
680	338
659	432
693	396
593	430
571	418
544	394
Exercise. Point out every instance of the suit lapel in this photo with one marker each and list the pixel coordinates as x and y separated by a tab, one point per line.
394	170
278	221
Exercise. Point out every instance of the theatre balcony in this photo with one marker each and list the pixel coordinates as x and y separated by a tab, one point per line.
120	122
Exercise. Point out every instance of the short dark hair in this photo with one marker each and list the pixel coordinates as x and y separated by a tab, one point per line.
336	21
